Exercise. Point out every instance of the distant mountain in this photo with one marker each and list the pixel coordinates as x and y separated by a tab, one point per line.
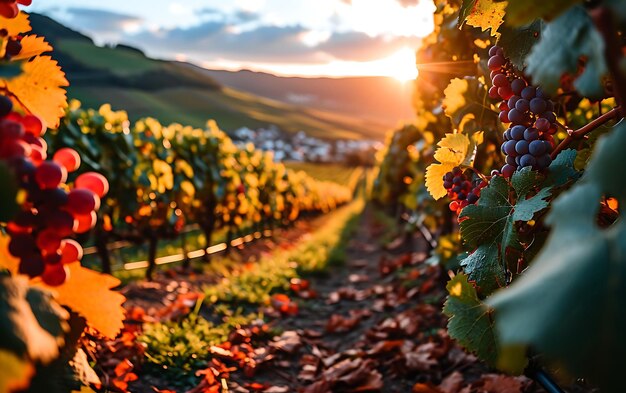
181	92
382	99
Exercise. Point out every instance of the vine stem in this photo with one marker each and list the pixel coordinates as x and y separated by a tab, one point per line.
582	131
483	177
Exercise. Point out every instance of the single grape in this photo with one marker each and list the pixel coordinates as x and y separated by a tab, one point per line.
447	185
506	135
83	224
493	50
82	202
503	106
516	116
538	105
457	189
517	132
472	198
537	148
496	62
458	180
504	117
448	177
542	124
50	175
71	251
518	85
507	170
509	148
500	80
522	105
527	160
493	92
510	160
531	134
512	101
34	125
528	93
68	158
461	196
521	147
505	92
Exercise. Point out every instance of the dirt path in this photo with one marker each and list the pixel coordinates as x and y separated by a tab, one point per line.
376	325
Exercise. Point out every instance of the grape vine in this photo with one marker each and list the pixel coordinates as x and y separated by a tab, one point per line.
531	124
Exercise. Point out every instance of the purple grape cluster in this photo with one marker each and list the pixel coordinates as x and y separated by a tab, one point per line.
529	139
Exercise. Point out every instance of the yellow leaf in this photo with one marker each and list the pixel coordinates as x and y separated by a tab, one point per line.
39	89
89	293
478	137
15	372
453	149
487	14
434	179
32	46
7	261
16	26
453	93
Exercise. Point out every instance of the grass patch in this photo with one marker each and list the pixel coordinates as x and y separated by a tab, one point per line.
176	350
255	283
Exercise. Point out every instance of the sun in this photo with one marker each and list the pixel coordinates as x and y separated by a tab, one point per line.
402	65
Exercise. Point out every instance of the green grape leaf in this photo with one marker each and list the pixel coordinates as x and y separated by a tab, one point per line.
8	194
562	169
30	324
483	267
470	320
517	42
564	41
491	222
519	13
569	305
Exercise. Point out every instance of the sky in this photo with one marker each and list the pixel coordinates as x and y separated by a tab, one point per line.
286	37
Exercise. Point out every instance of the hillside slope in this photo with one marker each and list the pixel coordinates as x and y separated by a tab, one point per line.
181	92
381	99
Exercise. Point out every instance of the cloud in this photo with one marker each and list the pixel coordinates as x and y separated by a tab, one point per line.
355	46
101	21
215	40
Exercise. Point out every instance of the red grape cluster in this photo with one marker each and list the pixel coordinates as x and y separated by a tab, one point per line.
461	190
529	139
51	212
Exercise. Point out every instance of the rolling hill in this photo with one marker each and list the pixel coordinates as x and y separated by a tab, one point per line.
181	92
381	99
